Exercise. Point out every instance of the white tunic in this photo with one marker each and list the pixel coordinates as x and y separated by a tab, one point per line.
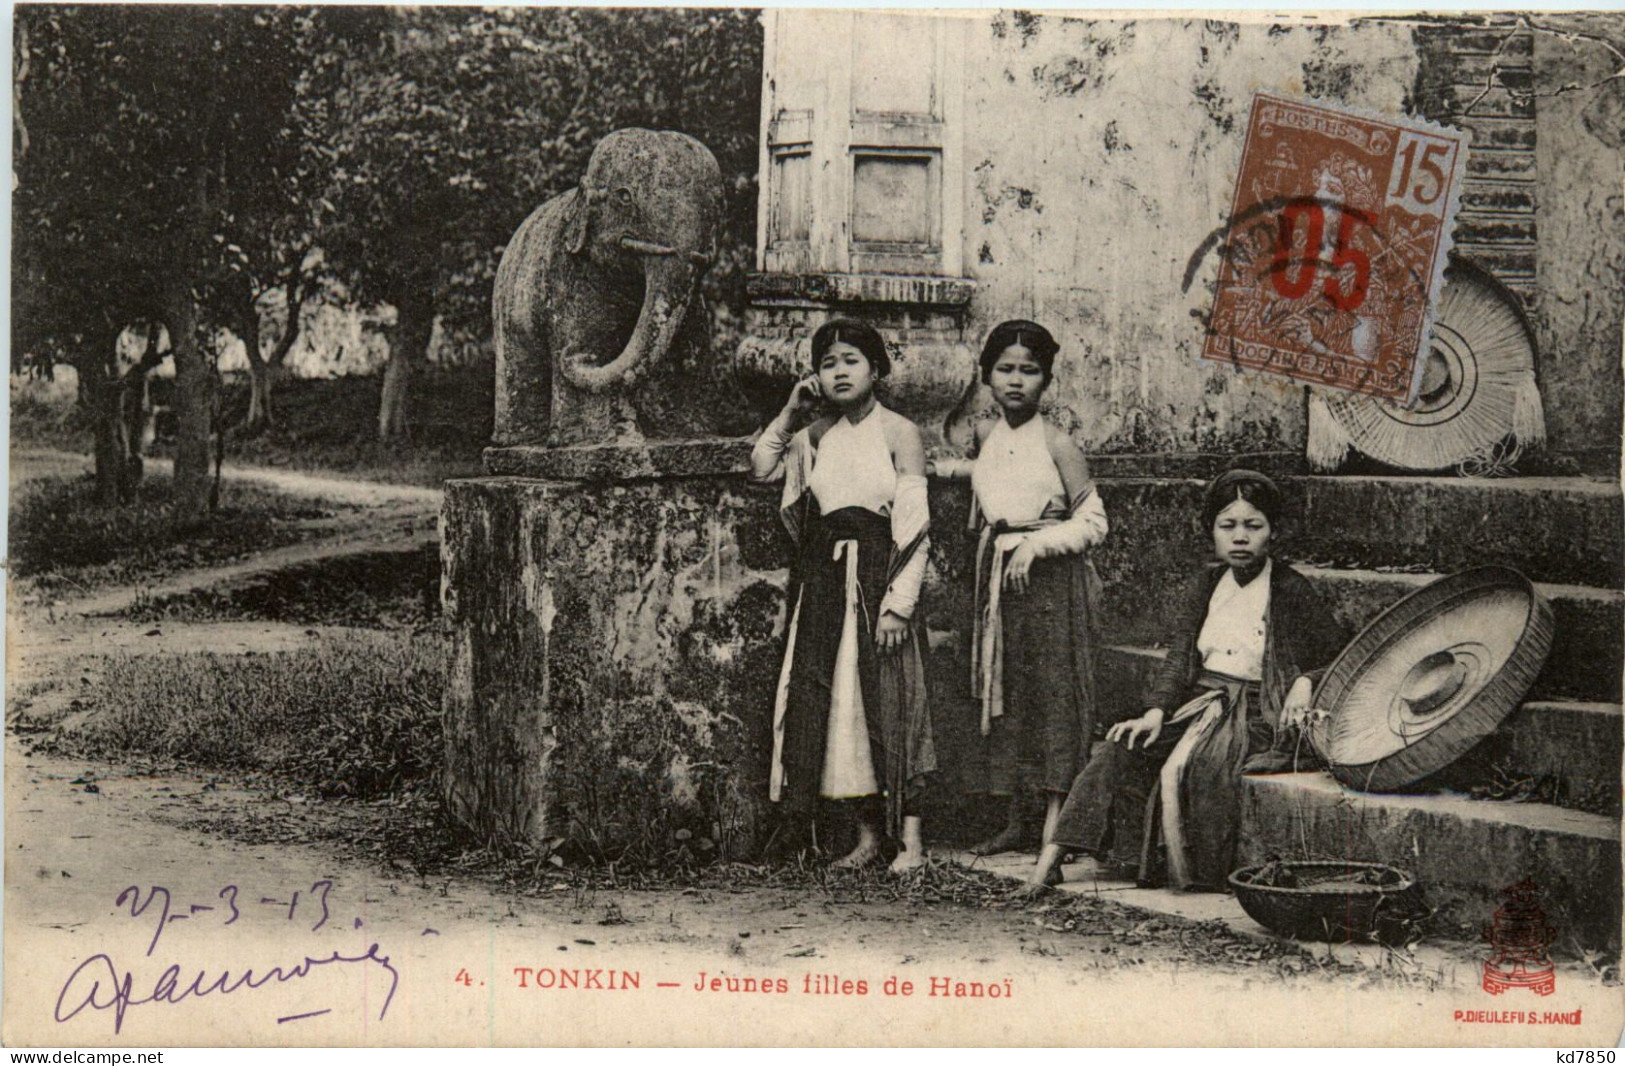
1016	482
853	467
1232	637
1014	477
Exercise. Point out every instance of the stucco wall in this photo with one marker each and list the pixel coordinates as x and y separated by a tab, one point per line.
1096	156
1102	154
1580	212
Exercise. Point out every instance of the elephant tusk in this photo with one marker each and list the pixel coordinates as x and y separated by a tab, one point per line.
632	244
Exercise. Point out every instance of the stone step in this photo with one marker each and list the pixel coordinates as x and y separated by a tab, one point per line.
1462	851
1562	529
1569	752
1587	653
1565	752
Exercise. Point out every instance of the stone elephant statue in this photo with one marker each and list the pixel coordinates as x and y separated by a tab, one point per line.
600	331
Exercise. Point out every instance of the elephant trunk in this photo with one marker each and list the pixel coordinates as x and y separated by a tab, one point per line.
668	287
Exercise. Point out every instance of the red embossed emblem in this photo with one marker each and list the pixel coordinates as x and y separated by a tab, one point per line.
1520	938
1338	237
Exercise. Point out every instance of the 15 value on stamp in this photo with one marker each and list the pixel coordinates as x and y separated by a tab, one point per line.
1338	238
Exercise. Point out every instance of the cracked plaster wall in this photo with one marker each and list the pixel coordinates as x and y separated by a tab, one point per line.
1580	214
1101	155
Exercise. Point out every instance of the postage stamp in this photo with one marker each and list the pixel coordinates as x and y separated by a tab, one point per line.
1338	238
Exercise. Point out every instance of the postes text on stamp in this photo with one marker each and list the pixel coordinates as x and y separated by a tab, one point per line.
1337	243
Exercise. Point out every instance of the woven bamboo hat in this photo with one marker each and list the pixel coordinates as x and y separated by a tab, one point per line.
1430	677
1478	398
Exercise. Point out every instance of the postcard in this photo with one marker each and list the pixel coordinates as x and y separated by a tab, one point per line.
584	527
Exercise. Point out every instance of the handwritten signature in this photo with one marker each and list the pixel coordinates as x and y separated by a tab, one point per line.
119	995
99	984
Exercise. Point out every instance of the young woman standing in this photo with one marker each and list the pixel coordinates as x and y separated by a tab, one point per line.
851	721
1038	514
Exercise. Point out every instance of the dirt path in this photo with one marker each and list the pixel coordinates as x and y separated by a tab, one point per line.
397	518
79	834
71	851
36	462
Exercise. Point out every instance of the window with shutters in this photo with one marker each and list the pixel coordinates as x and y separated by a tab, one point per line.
857	148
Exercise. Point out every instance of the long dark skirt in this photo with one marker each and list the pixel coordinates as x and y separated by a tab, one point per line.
1109	812
1042	739
896	712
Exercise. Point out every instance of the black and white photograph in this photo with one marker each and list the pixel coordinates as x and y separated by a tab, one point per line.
539	526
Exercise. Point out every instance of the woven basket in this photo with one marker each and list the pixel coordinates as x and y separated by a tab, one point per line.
1325	905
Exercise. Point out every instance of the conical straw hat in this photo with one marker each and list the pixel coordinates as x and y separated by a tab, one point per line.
1478	383
1430	677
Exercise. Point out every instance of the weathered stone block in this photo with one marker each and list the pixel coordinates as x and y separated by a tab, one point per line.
614	652
1578	744
619	461
1462	851
615	647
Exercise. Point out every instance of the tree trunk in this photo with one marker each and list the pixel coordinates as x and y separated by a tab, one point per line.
99	389
296	290
259	372
193	402
414	325
120	405
263	373
112	444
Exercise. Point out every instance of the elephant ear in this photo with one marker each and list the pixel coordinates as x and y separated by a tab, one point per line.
578	219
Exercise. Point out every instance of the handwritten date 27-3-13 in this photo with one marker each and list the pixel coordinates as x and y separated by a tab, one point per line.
227	912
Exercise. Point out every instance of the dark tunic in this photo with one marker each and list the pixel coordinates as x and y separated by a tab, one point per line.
1106	812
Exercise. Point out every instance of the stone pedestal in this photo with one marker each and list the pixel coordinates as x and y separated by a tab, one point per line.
616	618
614	648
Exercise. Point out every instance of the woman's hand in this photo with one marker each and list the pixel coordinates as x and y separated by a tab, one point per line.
891	632
1148	725
1295	708
804	396
1018	568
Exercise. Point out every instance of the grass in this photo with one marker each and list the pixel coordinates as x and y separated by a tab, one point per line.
62	539
44	415
372	590
358	717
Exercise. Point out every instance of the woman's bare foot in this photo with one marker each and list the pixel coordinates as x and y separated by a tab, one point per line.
907	860
862	855
1046	874
912	856
867	851
1010	838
